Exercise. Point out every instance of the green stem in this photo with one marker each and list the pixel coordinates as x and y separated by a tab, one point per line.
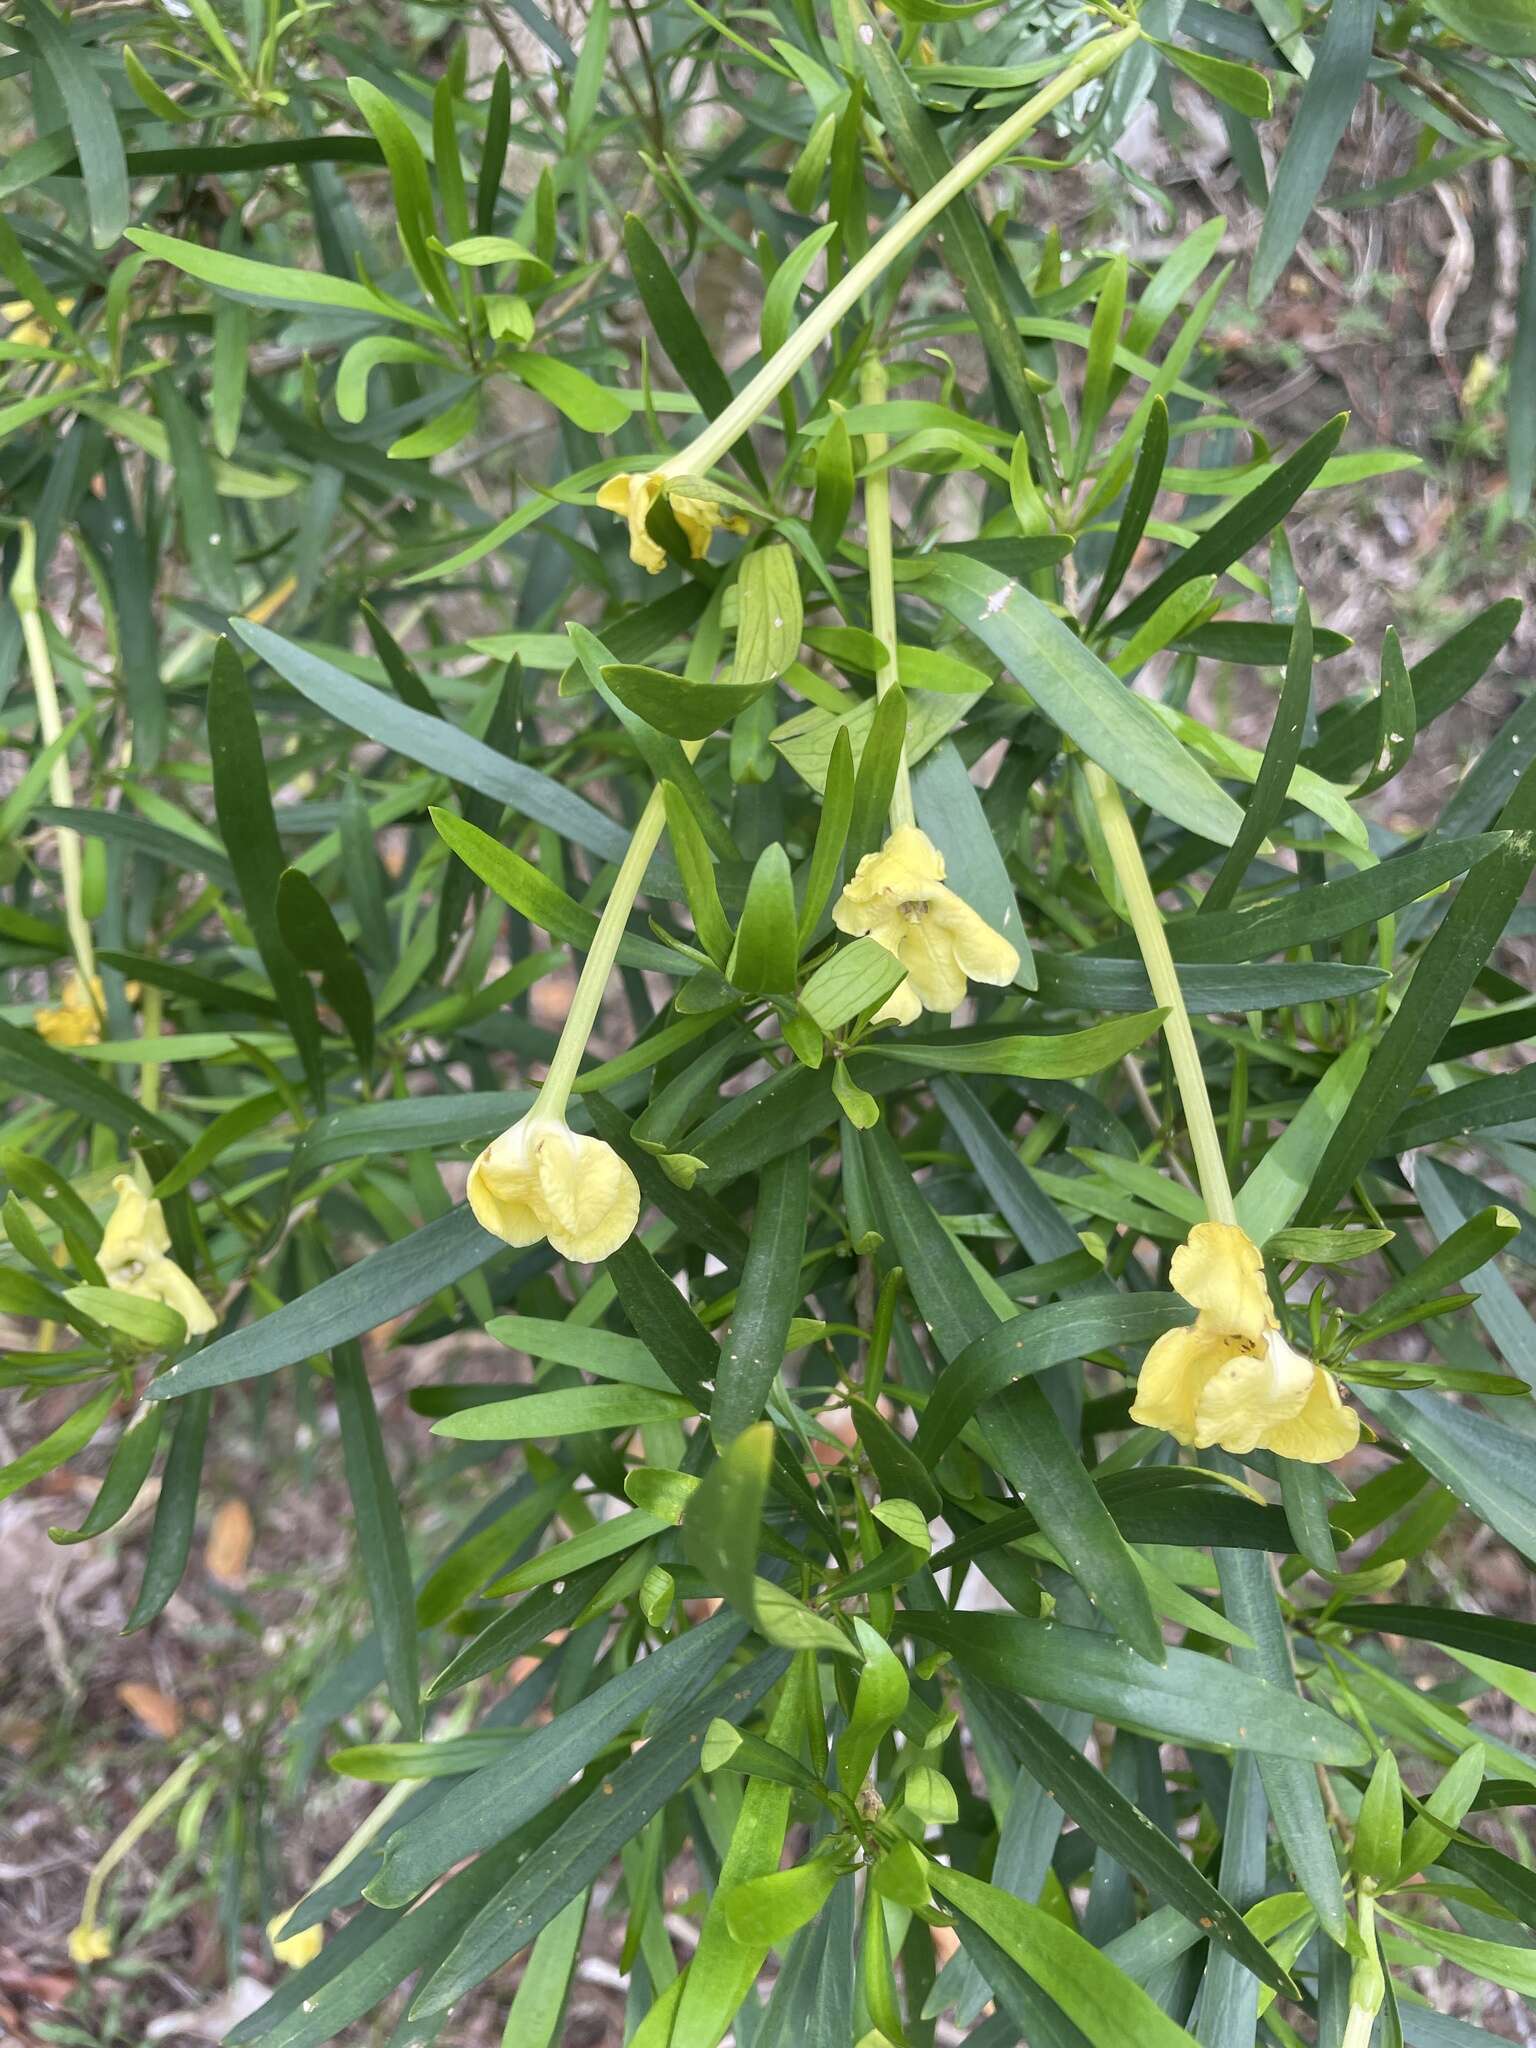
50	724
1147	923
873	386
754	399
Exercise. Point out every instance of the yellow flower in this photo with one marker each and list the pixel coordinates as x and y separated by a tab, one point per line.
30	328
133	1257
294	1950
632	496
541	1180
76	1020
89	1944
1230	1378
897	898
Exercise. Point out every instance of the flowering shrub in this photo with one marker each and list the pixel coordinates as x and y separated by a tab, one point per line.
996	1249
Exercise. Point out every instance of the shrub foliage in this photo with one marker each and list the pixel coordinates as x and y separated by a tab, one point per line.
456	495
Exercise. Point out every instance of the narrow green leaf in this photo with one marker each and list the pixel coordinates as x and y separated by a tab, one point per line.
1443	974
380	1535
92	121
767	1299
434	743
1191	1698
1258	512
563	1413
1328	98
1078	693
347	1305
721	1527
243	803
125	1477
675	706
1108	2008
1064	1055
1120	1827
501	1796
51	1451
764	956
170	1540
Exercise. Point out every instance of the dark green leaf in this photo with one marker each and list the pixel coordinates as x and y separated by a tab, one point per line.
1444	972
170	1540
1333	87
92	121
492	1802
1257	513
243	802
380	1535
766	1301
1087	1796
434	743
384	1284
1190	1699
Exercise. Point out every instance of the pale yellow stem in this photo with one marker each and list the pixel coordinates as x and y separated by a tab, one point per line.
50	725
785	363
1147	924
598	965
140	1825
151	1007
873	385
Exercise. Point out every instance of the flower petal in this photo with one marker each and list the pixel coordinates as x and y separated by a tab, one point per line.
699	517
163	1280
928	954
981	953
902	1006
295	1950
1324	1430
135	1231
89	1944
1173	1376
1220	1271
913	858
631	496
1241	1405
503	1189
76	1019
590	1200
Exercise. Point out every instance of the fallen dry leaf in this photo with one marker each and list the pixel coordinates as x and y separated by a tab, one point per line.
228	1549
155	1711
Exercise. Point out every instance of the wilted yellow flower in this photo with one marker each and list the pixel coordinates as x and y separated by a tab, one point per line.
1230	1378
89	1943
540	1179
76	1020
294	1950
897	897
631	496
134	1257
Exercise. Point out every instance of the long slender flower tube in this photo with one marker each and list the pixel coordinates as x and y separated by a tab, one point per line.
632	495
83	991
1230	1378
898	896
540	1179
